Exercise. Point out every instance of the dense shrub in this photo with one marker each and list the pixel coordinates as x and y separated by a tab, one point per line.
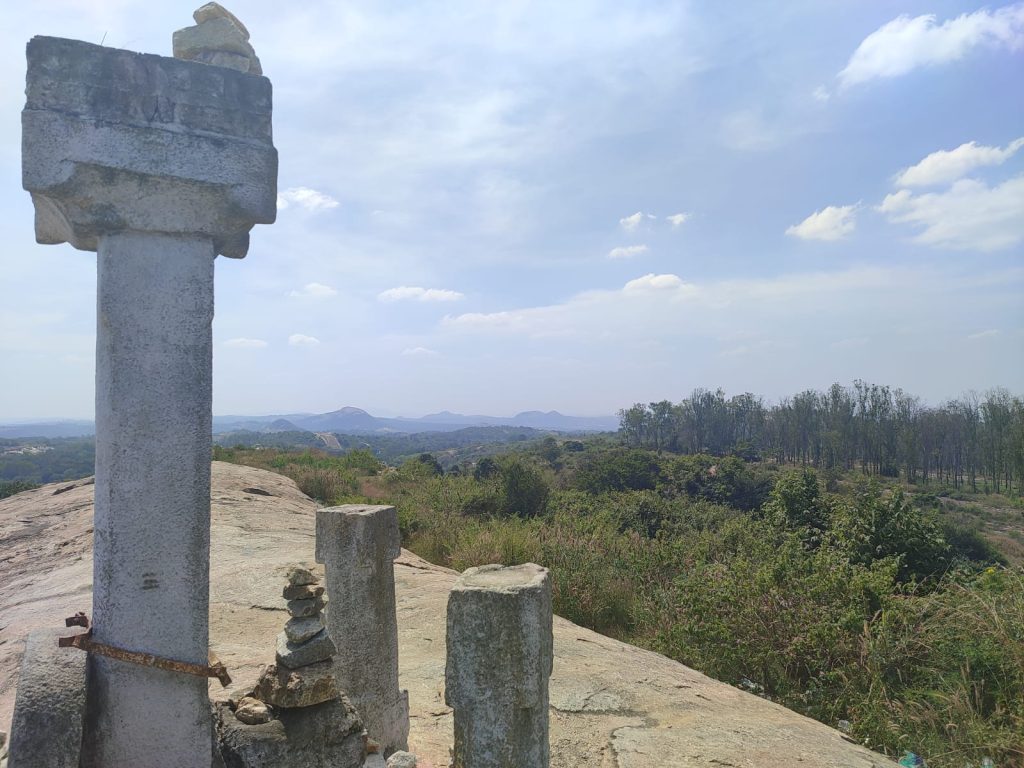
723	480
618	469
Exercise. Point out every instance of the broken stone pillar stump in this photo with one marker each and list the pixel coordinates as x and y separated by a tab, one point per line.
328	734
49	707
158	165
499	657
358	545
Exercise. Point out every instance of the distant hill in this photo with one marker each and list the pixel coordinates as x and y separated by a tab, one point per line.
281	425
348	420
356	421
62	428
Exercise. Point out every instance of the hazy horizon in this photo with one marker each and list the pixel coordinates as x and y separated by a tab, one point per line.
491	209
391	413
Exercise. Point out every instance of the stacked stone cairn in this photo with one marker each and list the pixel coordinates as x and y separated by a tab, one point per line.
303	675
218	38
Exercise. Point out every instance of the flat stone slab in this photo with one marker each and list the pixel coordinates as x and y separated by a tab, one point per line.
644	709
302	592
300	576
297	688
304	608
300	630
320	647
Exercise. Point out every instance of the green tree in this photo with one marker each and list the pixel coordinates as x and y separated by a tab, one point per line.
796	503
524	490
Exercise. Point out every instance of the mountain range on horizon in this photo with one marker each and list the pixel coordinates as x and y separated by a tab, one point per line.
349	420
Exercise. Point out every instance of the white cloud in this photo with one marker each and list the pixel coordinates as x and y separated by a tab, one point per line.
243	343
831	223
627	251
416	293
821	94
301	340
313	291
630	223
983	334
949	165
674	306
906	43
418	352
969	215
653	282
678	219
307	198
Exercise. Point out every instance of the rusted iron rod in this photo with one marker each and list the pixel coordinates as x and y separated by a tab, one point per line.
85	643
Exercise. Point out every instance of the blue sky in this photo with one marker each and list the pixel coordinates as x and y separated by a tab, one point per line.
493	207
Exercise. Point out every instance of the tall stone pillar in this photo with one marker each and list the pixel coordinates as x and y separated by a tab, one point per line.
499	657
158	165
358	545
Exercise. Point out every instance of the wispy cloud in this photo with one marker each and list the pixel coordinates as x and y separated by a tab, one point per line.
653	282
416	293
970	215
905	44
949	165
678	219
313	291
833	222
674	306
301	340
307	198
419	352
243	343
632	222
627	251
983	334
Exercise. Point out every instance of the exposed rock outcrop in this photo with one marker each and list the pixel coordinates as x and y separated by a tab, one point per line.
612	705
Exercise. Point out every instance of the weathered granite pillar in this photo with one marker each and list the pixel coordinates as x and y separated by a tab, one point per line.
49	709
499	656
158	165
358	545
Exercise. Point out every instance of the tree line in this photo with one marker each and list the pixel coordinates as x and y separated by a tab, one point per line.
974	440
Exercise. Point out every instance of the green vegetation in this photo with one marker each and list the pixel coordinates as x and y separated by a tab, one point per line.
449	448
16	486
866	602
972	441
46	460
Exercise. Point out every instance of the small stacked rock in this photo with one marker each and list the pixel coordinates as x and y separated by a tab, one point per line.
218	38
402	760
303	675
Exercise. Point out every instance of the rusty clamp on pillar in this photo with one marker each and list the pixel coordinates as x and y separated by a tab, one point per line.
84	642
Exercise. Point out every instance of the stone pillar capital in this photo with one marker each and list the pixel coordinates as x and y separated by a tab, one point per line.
116	141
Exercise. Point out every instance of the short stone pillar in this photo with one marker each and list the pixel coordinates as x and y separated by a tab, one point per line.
358	545
49	708
499	660
158	165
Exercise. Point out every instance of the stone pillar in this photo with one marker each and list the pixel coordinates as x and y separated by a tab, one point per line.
499	645
49	708
358	545
158	165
